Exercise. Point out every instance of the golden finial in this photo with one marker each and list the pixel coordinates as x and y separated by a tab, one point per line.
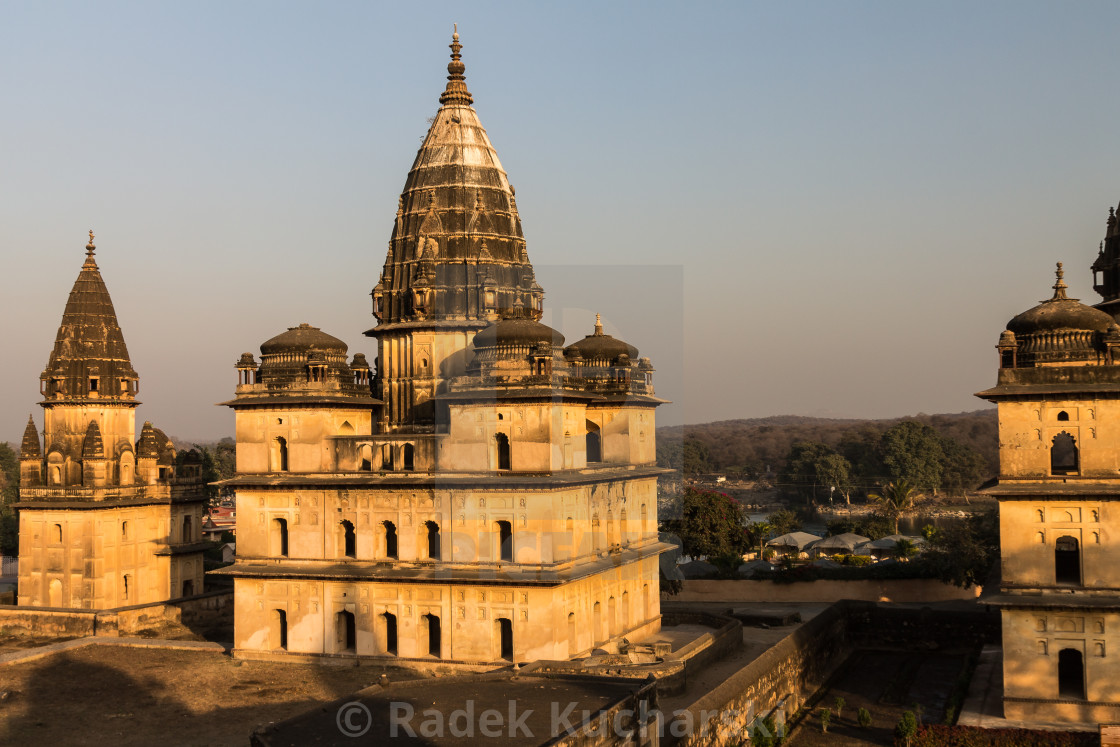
90	246
598	325
456	90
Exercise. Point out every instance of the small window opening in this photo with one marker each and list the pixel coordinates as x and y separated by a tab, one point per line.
433	540
1063	415
1063	455
390	539
503	628
502	442
389	620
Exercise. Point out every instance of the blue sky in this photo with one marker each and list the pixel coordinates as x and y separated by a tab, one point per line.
818	208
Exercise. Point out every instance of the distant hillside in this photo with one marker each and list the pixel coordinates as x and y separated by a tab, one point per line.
757	445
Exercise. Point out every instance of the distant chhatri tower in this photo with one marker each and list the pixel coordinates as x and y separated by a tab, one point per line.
489	495
1058	394
104	521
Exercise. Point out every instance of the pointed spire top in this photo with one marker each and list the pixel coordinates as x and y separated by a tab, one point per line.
456	91
598	325
29	449
90	247
1059	286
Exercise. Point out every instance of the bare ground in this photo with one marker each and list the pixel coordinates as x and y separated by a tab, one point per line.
127	696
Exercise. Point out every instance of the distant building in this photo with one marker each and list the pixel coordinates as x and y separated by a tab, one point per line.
1058	394
487	494
104	519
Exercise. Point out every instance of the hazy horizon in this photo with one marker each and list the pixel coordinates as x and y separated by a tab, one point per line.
828	210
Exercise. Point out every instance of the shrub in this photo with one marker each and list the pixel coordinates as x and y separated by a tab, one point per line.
863	718
825	715
937	735
906	728
839	703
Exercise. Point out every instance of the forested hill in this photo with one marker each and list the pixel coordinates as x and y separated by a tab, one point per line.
764	445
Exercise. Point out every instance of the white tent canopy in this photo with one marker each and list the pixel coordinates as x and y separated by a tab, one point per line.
794	540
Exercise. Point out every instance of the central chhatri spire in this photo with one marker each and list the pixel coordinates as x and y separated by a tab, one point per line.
456	91
1060	286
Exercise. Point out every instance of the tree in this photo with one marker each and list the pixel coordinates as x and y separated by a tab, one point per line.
964	552
839	703
825	716
711	525
784	521
904	549
758	532
806	469
962	467
913	452
893	499
695	457
9	494
834	471
907	727
863	718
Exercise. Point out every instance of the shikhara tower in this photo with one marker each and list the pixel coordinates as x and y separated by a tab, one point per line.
488	494
105	520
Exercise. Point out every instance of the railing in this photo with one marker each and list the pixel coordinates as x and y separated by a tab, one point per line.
9	565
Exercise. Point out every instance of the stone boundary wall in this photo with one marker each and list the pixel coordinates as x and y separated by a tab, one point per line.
780	680
870	590
673	671
208	608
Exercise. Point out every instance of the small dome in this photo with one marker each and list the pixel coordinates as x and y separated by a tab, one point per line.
246	361
302	339
1060	313
359	363
517	331
601	347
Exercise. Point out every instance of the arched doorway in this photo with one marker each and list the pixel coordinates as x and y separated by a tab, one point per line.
503	633
1063	455
389	632
594	443
390	539
279	538
1067	561
505	541
278	633
501	442
346	632
280	454
430	629
1071	674
432	530
347	539
409	457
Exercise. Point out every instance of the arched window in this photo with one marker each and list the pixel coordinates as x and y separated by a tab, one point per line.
645	602
597	624
409	457
278	629
1067	561
188	529
1063	415
625	611
433	539
390	539
386	457
56	533
505	541
188	588
1071	674
573	635
346	632
279	538
347	540
124	530
430	625
389	627
346	429
594	443
612	617
503	632
1063	455
280	454
501	442
124	586
642	516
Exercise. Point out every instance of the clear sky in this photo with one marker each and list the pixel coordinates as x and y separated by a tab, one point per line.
807	208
